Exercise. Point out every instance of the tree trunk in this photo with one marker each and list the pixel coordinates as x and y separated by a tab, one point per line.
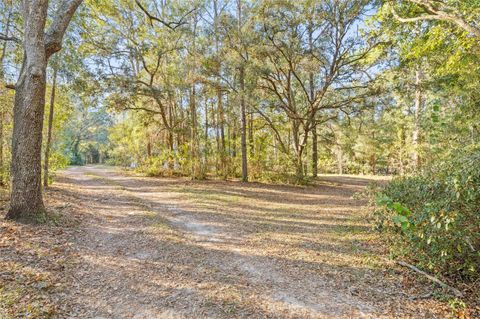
312	98
26	202
221	125
250	135
417	113
243	114
299	172
2	79
206	142
233	143
149	147
299	166
26	198
50	126
339	161
221	113
244	126
2	170
171	148
193	108
373	157
314	152
193	142
217	140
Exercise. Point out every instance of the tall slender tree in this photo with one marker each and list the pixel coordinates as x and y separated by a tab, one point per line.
48	143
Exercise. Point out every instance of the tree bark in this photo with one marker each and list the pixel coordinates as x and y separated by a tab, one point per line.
50	126
193	109
149	148
243	111
2	79
221	125
417	114
220	110
2	170
193	142
244	126
312	98
26	203
339	161
207	140
314	151
250	135
299	166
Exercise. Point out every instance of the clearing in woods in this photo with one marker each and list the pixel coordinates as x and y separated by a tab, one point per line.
172	248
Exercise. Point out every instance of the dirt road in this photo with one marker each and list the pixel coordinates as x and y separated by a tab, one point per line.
171	248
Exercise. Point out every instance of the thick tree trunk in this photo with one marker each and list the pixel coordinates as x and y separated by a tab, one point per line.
26	199
299	166
26	202
299	171
50	126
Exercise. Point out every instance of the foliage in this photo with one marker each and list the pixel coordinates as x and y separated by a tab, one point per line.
435	217
58	161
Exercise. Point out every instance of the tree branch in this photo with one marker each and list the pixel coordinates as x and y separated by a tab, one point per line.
8	38
56	31
172	25
438	15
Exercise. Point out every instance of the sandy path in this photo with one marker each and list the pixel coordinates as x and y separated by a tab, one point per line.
162	248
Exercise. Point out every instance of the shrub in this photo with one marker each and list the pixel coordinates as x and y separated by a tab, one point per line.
57	161
434	219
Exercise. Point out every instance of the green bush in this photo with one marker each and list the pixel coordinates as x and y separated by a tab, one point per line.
57	161
434	219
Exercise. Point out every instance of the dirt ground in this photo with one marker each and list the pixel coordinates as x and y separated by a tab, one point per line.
128	246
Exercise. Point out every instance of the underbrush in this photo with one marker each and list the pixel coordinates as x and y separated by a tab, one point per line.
285	178
433	219
163	166
158	167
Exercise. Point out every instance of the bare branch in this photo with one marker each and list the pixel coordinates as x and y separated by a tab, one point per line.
9	38
172	25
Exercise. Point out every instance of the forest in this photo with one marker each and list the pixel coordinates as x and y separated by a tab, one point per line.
240	159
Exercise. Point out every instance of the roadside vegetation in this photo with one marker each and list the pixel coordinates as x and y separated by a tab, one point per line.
277	92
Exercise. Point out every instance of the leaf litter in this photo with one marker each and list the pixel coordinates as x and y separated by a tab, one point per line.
128	246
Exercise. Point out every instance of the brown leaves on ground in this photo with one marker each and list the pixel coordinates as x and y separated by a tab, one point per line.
173	248
32	262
